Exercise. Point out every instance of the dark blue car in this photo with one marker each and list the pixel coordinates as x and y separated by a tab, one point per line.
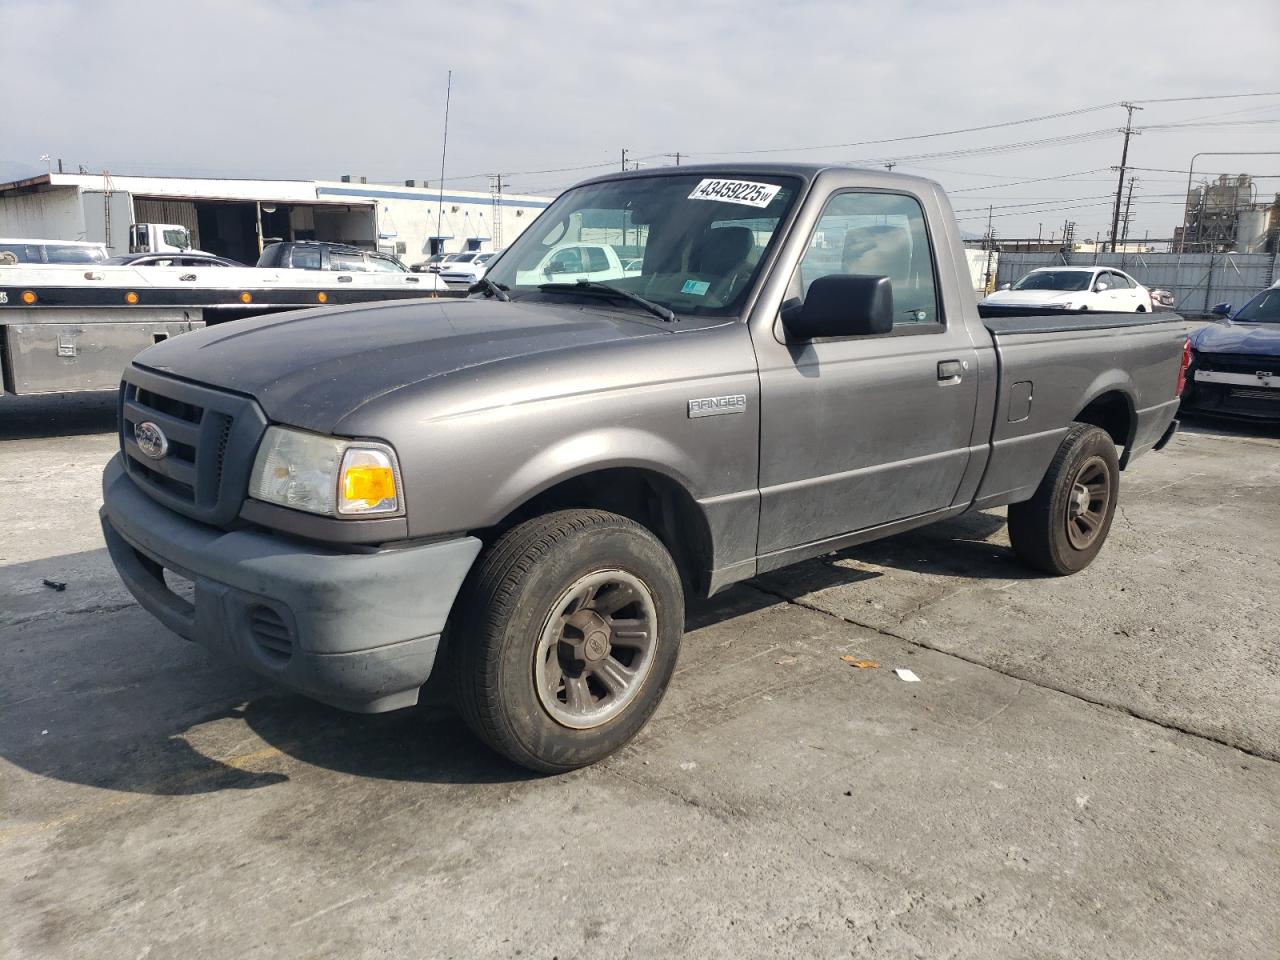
1235	361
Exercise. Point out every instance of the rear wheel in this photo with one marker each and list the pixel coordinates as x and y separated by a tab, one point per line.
1063	526
568	635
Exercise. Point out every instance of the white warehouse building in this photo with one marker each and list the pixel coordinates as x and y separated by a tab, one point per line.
236	218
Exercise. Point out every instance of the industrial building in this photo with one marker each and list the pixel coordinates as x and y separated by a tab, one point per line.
236	218
1226	215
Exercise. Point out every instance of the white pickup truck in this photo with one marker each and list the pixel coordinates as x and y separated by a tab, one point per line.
570	262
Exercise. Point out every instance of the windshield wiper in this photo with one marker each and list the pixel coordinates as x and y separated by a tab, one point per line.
594	286
497	289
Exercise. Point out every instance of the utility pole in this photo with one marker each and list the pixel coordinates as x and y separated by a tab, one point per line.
1128	201
108	188
991	246
1124	162
890	165
676	155
624	159
496	188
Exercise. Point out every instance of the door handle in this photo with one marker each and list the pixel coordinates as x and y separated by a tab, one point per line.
950	371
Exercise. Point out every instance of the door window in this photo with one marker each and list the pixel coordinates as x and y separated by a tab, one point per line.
597	261
378	264
568	260
306	258
877	235
347	262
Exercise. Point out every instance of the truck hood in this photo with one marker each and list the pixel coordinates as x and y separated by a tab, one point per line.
312	368
1255	339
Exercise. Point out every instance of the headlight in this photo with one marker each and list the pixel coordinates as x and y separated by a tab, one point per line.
326	475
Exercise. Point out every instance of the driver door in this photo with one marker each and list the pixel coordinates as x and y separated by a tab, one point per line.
857	432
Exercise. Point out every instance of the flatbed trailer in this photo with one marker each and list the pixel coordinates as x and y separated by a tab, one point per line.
71	329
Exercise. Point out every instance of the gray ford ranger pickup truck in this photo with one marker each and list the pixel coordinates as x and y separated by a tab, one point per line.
519	489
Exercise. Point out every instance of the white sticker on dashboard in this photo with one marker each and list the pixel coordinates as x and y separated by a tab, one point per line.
736	191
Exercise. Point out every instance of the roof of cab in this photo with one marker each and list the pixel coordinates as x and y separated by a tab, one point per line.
806	171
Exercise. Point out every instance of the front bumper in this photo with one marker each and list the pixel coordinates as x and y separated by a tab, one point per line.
1241	401
358	630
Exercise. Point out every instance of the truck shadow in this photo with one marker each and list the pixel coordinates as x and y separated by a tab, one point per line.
93	691
1199	423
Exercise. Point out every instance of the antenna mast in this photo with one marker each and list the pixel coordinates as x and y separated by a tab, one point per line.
444	152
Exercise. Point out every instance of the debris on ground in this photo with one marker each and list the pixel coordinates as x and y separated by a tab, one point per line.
58	585
785	661
860	664
906	675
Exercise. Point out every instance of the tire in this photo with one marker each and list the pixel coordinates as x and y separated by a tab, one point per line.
568	634
1055	532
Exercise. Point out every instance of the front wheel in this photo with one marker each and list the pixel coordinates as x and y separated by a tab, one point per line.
566	638
1063	526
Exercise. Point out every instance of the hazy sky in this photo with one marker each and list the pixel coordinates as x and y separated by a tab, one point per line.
317	89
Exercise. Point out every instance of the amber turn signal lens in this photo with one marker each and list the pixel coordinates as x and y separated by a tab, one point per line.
246	297
371	484
28	297
130	297
322	297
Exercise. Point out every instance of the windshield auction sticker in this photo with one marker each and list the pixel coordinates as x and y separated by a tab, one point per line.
736	191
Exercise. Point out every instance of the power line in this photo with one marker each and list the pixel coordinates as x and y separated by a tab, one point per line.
1215	96
1017	183
916	136
994	149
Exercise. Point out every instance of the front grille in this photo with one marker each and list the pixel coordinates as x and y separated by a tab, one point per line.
271	632
1247	393
1237	363
211	438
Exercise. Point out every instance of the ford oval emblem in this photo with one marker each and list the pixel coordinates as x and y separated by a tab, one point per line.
150	439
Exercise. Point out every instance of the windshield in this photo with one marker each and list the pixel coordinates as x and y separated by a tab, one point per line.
689	243
1264	308
1055	280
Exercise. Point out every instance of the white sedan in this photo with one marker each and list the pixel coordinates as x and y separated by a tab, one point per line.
465	267
1100	289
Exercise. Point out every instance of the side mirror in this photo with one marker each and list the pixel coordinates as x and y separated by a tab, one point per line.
1222	310
1006	286
1100	286
842	305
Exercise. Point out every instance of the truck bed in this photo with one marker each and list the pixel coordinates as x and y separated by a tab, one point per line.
1113	369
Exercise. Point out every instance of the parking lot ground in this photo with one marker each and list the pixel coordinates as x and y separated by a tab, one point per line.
1088	767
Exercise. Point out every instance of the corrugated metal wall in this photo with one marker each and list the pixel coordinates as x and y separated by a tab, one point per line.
1197	280
182	212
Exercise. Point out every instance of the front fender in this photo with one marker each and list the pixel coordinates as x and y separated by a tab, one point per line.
585	452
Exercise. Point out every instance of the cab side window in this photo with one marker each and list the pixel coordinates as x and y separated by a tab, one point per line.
877	235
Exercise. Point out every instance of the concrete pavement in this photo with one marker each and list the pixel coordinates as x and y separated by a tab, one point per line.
1086	769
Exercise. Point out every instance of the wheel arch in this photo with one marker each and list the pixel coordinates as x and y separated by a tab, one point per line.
643	492
1111	408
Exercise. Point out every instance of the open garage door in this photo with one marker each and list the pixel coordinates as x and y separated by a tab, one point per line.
181	212
229	228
